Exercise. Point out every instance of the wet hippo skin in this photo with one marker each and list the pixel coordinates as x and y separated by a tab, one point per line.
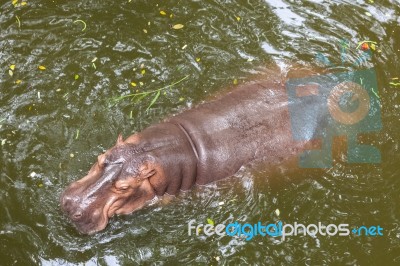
198	146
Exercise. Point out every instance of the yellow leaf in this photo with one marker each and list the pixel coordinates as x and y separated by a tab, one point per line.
141	83
143	71
144	30
14	2
23	3
76	76
18	81
42	67
171	15
235	82
163	13
10	72
373	47
12	67
133	84
198	59
238	18
177	26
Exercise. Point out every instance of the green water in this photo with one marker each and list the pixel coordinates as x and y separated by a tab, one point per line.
54	122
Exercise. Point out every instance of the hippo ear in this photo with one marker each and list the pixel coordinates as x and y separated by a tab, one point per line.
120	140
147	170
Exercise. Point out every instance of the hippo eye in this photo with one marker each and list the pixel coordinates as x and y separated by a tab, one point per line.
123	188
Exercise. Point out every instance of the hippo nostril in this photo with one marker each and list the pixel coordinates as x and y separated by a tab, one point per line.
77	215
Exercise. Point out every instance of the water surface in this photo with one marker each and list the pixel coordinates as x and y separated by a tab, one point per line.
54	122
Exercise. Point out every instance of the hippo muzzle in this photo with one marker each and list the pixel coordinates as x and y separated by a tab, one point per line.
115	184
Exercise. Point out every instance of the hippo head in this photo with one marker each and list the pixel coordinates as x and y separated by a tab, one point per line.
118	183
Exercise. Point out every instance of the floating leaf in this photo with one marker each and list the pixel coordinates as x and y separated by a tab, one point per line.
10	72
177	26
81	21
12	67
94	59
198	59
42	67
365	46
141	83
368	14
133	84
18	81
277	212
171	15
163	13
76	76
375	93
210	221
154	100
143	71
24	3
14	2
238	18
19	22
235	82
184	47
373	47
144	30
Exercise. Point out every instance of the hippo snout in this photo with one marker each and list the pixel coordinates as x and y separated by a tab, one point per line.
82	210
70	206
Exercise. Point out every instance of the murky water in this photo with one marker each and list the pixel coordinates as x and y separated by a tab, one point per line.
55	121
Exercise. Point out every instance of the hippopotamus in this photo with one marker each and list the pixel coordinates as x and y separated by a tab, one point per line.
212	141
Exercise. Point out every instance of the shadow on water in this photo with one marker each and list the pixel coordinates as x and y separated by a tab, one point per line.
55	121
